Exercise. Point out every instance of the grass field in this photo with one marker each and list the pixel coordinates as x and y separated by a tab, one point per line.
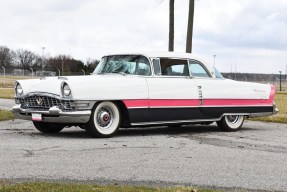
8	81
6	115
6	93
8	186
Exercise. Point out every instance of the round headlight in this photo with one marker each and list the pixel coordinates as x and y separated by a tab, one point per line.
19	90
66	90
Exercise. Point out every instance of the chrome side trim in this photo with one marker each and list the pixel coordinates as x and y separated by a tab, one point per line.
171	122
203	106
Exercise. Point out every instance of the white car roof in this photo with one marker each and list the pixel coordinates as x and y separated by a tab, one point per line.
158	54
167	55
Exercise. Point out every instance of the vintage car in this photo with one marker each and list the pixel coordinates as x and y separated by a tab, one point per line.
141	89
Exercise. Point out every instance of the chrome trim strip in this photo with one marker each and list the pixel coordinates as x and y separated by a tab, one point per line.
166	107
171	122
236	106
144	107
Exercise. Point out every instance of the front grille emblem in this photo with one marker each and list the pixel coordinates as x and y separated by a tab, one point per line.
39	101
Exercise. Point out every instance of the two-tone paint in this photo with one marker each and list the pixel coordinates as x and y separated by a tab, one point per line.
151	99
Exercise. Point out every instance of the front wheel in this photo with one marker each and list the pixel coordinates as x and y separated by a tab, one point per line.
48	127
105	120
231	122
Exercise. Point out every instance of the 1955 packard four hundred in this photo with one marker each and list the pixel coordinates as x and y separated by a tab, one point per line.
131	90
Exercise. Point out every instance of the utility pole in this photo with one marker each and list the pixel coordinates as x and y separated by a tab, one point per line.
171	26
190	27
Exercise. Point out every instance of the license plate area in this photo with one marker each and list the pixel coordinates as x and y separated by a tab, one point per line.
37	117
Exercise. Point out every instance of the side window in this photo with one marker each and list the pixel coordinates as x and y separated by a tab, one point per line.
176	70
197	70
174	67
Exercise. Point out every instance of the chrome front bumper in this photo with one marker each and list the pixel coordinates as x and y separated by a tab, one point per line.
53	115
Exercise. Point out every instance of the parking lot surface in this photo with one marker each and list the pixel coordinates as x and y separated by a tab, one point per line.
253	158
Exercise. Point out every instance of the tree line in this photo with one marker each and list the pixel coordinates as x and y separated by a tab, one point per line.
25	60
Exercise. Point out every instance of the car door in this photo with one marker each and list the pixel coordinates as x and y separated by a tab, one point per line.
211	90
173	94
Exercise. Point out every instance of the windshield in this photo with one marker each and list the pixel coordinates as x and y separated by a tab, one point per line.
124	64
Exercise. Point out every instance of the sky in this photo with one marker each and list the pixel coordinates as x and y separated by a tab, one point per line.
245	35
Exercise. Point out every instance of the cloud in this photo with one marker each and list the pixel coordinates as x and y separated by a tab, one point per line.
249	32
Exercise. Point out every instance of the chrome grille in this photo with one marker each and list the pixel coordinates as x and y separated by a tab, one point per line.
43	102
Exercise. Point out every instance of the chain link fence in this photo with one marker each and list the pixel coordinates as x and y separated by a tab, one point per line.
273	79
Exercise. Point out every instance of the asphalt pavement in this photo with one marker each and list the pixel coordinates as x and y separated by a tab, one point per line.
253	158
6	103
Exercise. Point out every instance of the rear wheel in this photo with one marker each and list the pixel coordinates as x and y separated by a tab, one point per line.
231	122
105	120
48	127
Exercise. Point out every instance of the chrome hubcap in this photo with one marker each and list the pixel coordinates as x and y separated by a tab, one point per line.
232	118
104	117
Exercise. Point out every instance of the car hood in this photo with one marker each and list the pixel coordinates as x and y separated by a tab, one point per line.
88	87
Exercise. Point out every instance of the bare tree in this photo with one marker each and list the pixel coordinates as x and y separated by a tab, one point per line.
6	57
190	27
171	26
91	65
25	58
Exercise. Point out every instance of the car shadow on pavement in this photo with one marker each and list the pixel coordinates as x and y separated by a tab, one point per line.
145	131
164	130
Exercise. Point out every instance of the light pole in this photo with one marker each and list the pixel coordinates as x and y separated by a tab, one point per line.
235	71
83	71
245	78
32	71
59	72
62	66
4	71
43	62
280	79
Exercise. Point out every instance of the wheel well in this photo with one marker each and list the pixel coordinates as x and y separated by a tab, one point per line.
125	117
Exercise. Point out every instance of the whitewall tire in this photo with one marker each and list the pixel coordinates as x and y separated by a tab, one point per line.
105	120
231	122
